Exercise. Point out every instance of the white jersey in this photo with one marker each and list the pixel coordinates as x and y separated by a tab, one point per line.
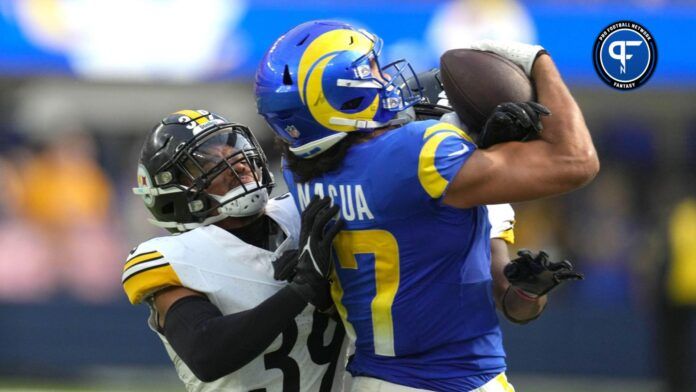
502	220
236	276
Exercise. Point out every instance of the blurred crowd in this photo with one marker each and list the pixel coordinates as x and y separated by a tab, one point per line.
61	221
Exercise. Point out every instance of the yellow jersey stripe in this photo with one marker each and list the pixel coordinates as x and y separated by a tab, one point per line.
141	258
147	281
431	180
507	236
139	254
337	296
502	380
439	127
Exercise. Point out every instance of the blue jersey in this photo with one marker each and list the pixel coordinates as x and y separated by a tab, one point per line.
413	284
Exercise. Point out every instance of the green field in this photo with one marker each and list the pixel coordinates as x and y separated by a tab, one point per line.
165	381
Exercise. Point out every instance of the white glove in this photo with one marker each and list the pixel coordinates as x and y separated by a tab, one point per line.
517	52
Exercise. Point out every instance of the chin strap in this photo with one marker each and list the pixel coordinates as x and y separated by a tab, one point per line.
316	147
360	124
311	149
403	117
224	211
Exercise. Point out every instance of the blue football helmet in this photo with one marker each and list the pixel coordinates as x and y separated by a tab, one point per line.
323	79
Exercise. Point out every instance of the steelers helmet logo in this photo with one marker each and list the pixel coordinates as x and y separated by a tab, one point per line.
145	184
198	120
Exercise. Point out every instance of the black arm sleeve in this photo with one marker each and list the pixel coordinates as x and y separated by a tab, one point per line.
213	345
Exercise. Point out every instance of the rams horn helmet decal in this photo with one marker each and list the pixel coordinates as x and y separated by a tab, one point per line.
323	79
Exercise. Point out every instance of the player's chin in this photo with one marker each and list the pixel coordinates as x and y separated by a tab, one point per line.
247	181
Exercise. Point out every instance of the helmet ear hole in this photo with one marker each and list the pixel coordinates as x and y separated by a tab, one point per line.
284	115
287	78
302	41
352	104
168	208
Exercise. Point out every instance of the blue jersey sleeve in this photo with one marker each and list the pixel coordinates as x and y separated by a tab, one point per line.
410	168
444	148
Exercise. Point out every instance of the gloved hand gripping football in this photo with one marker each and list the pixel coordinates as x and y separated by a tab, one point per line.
512	122
536	274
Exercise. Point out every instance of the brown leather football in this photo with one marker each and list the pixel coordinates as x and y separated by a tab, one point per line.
476	82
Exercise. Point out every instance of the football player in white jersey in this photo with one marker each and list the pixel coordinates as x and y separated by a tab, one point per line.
225	322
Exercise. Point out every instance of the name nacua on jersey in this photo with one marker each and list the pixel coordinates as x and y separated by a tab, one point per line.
236	276
353	203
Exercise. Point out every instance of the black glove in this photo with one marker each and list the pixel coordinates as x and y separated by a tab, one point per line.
284	269
314	259
512	122
537	275
284	266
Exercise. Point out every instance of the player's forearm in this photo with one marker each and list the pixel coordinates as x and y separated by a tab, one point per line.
213	345
571	146
499	258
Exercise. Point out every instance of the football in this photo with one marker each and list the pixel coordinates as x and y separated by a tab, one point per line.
476	82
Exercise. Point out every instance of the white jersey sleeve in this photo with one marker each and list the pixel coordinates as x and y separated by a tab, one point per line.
147	270
236	276
502	220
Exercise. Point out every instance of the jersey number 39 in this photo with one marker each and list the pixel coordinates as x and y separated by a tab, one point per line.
318	352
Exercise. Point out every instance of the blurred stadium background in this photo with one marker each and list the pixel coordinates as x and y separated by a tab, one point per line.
81	81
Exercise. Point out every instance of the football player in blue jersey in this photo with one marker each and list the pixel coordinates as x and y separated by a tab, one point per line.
501	128
217	300
412	281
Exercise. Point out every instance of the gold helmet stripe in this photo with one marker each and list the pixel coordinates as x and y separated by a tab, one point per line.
194	115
